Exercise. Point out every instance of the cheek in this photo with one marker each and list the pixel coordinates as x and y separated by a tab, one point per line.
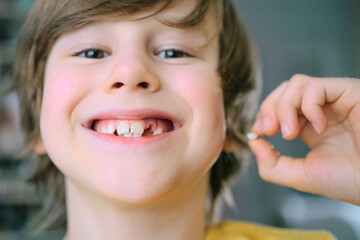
62	91
64	87
60	83
202	92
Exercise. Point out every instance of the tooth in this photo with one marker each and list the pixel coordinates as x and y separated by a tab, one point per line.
251	136
110	129
129	134
122	128
158	131
137	128
136	135
103	130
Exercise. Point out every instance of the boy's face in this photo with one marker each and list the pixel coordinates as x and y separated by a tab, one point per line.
157	86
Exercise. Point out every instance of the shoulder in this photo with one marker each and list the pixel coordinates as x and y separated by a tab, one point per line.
231	230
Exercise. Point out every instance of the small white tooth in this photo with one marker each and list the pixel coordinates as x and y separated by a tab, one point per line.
103	130
137	128
158	131
251	136
136	135
110	129
122	127
129	134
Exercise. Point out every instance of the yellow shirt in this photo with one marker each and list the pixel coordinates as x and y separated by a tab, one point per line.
246	231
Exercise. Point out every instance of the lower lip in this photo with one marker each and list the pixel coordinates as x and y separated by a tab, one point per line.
112	139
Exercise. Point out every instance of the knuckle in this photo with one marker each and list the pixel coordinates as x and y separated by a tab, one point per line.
306	107
298	79
282	108
263	173
264	176
265	106
314	84
284	83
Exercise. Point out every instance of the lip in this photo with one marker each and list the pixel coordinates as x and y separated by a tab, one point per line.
131	114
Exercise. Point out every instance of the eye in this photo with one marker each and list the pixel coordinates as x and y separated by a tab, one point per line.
92	53
173	53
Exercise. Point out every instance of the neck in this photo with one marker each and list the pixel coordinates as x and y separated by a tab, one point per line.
91	217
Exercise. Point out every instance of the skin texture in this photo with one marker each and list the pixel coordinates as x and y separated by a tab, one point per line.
116	188
325	113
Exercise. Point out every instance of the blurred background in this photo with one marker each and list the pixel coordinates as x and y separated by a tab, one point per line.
319	38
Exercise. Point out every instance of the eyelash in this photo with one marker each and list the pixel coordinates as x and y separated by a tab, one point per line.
96	51
167	53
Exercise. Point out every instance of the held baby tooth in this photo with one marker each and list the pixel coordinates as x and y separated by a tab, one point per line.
251	136
122	128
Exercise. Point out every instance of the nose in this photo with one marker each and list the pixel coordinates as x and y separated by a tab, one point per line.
134	73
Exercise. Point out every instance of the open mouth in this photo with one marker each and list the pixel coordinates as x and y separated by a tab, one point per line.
133	127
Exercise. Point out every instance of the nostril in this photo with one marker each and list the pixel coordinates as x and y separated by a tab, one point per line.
144	85
118	85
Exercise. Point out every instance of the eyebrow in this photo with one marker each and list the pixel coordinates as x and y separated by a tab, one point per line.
202	31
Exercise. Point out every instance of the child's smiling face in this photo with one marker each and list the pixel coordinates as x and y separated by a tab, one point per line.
110	74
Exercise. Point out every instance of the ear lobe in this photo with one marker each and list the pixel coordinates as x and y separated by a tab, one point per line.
227	146
39	147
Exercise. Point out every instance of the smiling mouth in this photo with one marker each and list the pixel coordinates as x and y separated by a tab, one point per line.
133	127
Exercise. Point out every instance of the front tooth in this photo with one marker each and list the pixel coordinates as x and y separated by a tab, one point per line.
122	128
111	129
136	135
103	130
129	134
158	131
137	128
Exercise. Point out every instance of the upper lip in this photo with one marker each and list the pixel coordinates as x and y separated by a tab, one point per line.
132	114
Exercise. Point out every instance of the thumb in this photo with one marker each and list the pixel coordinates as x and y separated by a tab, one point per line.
282	170
354	118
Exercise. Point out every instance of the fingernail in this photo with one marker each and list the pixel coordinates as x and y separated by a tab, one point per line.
316	128
257	125
285	129
265	124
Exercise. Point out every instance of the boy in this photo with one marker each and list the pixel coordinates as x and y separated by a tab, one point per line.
129	99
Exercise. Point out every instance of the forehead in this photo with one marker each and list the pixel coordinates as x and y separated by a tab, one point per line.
170	18
184	14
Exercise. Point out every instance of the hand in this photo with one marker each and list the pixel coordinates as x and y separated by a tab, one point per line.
325	113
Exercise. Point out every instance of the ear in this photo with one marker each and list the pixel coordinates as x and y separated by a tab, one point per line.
227	146
39	147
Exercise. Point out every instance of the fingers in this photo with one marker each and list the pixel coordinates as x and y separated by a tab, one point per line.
313	100
285	106
354	118
308	106
279	169
266	120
